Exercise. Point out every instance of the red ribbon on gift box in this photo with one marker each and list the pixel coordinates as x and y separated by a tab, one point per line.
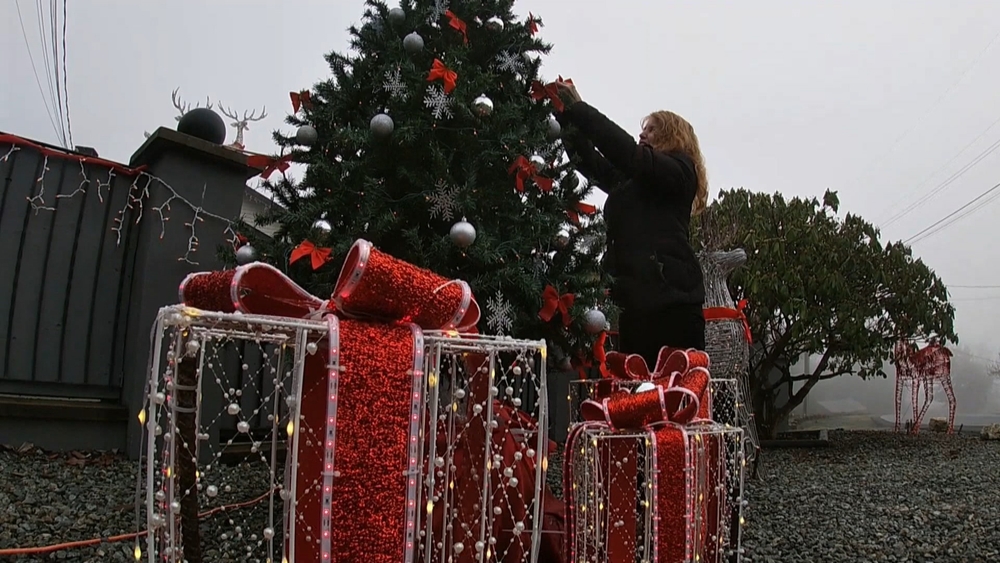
680	396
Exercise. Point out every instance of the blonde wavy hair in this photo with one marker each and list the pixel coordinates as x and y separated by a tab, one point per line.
672	133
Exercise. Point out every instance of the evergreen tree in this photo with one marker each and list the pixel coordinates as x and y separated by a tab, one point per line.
472	144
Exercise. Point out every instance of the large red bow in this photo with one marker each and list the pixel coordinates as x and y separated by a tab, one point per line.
447	76
580	207
368	287
552	302
525	170
725	313
681	381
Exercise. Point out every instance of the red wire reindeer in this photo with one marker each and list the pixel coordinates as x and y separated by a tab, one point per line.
923	368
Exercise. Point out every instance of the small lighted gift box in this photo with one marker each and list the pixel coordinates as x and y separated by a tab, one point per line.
649	476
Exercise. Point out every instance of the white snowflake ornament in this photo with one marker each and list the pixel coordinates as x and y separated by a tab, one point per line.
509	62
438	102
442	200
500	319
394	85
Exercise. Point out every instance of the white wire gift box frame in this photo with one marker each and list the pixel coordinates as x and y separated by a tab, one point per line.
616	489
220	382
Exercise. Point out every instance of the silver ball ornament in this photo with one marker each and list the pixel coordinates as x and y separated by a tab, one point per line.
320	232
246	254
555	129
594	321
494	24
306	135
382	126
483	106
413	43
397	16
538	161
561	241
463	234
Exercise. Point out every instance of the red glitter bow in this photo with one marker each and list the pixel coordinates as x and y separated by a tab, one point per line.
525	170
681	394
457	24
580	207
300	100
447	76
552	302
371	285
533	23
269	164
541	91
318	256
726	313
239	241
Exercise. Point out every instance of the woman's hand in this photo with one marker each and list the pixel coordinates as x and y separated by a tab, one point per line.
567	92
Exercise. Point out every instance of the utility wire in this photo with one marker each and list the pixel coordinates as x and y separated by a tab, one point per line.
947	181
34	69
940	224
941	98
975	286
65	77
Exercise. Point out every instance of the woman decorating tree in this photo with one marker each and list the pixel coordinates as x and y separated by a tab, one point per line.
654	187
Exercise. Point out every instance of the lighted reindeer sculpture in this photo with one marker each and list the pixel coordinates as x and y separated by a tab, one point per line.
923	368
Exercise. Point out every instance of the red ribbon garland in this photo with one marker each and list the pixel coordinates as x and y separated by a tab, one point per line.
300	100
447	76
317	255
552	302
726	313
526	170
458	25
269	164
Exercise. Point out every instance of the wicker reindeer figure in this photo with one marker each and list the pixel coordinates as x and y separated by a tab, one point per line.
727	341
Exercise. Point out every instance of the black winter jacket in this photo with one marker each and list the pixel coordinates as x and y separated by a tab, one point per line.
648	213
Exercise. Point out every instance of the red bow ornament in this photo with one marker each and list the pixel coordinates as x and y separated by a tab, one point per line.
447	76
369	382
269	164
533	23
667	427
552	303
300	100
541	91
317	256
524	169
458	25
580	207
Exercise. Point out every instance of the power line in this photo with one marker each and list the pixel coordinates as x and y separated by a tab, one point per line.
34	68
934	105
940	224
975	286
65	77
937	189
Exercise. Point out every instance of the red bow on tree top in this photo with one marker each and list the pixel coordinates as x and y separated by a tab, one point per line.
533	23
447	76
553	302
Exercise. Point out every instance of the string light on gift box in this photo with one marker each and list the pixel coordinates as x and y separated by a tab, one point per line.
138	192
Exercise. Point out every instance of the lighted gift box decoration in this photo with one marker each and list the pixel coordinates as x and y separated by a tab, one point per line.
648	474
408	437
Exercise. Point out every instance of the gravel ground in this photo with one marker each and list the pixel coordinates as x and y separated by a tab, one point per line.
870	497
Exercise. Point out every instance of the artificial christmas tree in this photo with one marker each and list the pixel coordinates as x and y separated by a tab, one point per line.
434	139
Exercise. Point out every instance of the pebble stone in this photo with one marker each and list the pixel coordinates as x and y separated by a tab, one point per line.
870	497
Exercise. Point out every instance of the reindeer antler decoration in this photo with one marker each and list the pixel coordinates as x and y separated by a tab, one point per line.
182	106
242	124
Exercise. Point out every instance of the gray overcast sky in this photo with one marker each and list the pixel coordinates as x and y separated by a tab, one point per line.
872	98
